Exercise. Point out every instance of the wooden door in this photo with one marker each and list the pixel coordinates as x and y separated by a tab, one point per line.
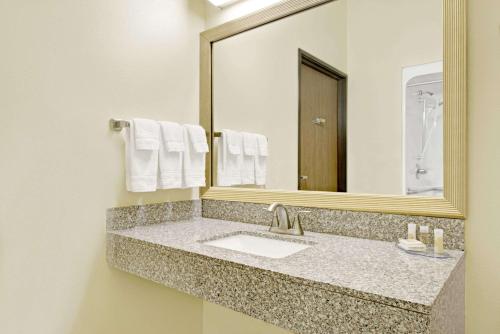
320	130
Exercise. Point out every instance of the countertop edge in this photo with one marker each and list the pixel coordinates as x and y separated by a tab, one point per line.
424	309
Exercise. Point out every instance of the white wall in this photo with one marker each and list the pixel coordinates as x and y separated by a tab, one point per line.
482	229
383	37
255	80
66	67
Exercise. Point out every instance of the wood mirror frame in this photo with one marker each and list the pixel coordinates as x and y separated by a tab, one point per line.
452	205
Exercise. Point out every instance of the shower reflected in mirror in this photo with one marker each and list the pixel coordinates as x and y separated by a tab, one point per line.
423	116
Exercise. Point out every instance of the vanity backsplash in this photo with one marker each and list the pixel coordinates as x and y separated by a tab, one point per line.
120	218
366	225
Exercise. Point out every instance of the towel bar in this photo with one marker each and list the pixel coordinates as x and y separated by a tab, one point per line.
118	125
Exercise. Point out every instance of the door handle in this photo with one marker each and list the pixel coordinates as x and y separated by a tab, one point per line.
319	121
303	177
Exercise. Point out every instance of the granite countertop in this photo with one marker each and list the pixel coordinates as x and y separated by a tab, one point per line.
368	269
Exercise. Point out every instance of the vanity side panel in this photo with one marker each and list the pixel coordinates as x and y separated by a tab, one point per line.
448	311
261	294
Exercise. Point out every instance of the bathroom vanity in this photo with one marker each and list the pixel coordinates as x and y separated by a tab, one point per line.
333	284
292	74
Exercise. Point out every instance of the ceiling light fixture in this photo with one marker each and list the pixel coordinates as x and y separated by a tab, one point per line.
222	3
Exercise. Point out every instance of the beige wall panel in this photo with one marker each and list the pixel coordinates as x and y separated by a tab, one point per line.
482	232
66	68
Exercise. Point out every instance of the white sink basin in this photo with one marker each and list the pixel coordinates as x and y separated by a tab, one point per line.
272	248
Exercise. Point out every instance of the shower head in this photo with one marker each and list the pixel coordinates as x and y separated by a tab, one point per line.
422	93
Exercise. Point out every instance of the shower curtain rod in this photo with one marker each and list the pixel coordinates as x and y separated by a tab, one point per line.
425	83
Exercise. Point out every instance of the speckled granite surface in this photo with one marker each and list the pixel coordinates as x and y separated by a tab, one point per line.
448	310
150	214
340	285
366	225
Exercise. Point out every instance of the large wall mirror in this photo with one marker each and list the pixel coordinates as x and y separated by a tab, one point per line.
355	104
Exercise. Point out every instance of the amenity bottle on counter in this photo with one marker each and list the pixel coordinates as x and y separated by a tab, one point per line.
438	241
412	231
424	235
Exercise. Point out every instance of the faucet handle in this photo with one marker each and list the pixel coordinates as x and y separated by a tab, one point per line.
297	223
280	217
299	218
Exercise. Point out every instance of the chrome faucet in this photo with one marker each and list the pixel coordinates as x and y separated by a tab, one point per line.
420	171
281	221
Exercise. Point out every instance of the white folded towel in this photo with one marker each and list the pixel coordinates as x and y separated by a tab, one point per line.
172	136
171	153
194	156
250	150
261	160
229	158
262	145
147	134
197	138
141	156
412	245
234	141
250	144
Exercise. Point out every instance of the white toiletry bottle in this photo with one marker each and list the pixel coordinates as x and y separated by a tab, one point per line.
438	241
424	235
412	231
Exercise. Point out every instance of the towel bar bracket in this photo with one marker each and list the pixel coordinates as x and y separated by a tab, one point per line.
118	124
